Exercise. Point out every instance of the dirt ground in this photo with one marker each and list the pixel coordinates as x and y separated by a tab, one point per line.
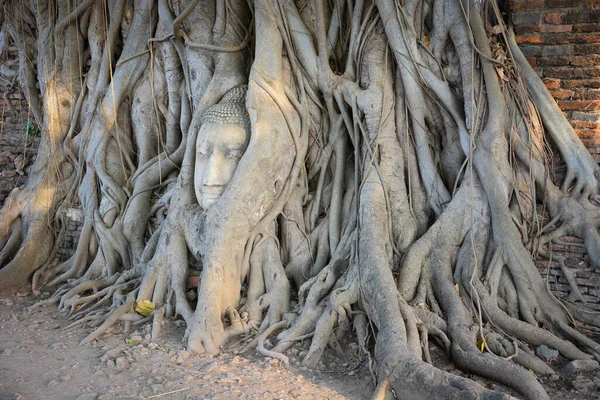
39	359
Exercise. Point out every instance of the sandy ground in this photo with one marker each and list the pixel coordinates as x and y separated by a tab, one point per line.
39	359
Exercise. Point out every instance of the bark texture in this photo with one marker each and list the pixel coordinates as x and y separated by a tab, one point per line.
394	181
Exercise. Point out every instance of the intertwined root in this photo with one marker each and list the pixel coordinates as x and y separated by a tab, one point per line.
394	179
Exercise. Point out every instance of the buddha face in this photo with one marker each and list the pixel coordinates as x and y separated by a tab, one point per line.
219	148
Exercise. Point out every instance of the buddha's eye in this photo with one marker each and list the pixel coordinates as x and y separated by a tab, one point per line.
202	152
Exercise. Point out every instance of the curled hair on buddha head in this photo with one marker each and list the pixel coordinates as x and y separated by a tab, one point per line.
230	110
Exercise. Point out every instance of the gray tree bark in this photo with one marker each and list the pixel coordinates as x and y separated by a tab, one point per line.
393	179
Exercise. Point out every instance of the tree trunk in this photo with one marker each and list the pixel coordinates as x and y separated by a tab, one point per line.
380	160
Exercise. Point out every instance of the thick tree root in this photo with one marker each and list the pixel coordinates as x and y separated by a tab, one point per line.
394	177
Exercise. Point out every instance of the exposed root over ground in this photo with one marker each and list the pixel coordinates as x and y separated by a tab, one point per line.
274	171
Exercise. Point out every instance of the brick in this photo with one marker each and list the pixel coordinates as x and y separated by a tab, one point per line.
527	4
593	306
586	61
556	61
531	39
581	83
559	248
572	72
587	133
593	144
579	105
584	274
555	28
562	94
570	38
552	83
522	29
587	27
527	18
562	3
572	239
586	116
586	72
560	287
580	249
552	266
580	16
590	299
553	18
531	51
584	124
560	72
587	94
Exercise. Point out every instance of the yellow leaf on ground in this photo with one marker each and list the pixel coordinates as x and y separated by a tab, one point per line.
480	345
145	307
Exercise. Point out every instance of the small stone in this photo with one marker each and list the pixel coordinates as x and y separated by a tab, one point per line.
583	384
210	367
110	364
6	302
293	351
111	354
156	388
7	352
577	366
122	363
182	356
87	396
106	396
7	345
546	353
137	338
191	295
129	398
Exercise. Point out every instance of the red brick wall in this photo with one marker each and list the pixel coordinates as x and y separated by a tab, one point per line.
561	39
15	144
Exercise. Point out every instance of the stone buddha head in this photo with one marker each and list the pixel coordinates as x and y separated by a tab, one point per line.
222	140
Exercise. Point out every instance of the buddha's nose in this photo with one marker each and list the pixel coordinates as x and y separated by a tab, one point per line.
213	175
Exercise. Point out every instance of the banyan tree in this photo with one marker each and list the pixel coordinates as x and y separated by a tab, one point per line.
372	168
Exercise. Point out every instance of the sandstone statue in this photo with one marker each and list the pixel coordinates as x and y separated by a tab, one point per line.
370	168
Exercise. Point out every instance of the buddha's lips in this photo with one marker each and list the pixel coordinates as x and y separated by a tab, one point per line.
213	193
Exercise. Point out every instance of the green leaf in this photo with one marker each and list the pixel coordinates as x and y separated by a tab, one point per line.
29	129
